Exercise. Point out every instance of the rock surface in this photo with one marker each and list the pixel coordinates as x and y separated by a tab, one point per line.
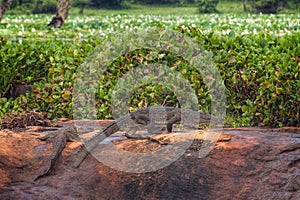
246	163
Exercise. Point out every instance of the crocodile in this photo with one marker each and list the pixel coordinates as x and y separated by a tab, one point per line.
155	119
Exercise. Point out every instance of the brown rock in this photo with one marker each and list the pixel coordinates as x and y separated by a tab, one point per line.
249	163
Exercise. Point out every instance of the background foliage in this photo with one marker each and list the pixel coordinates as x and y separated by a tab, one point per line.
207	6
269	6
204	6
258	57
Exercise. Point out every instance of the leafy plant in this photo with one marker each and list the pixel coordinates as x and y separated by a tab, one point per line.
260	69
207	6
44	6
268	6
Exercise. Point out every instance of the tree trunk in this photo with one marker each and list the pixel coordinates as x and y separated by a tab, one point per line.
81	9
4	7
63	7
245	5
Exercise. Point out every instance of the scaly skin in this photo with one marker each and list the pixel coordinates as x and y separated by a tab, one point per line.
144	117
138	119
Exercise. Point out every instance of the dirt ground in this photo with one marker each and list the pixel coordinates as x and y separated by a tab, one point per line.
245	163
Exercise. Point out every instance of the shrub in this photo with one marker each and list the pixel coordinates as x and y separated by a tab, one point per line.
152	2
260	72
108	3
268	6
46	6
207	6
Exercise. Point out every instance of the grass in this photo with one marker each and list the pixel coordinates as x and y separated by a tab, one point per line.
140	9
231	7
223	7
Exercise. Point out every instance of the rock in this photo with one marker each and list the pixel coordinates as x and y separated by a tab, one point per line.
245	163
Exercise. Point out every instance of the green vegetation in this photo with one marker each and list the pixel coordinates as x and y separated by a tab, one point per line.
207	6
269	6
159	7
138	9
46	6
231	7
258	57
